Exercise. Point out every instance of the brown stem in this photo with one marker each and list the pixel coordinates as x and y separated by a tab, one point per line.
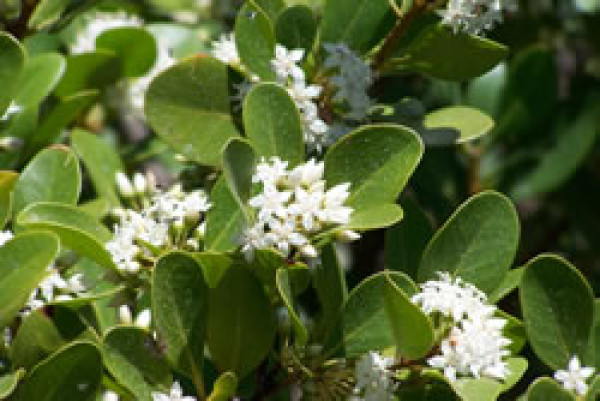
19	28
401	26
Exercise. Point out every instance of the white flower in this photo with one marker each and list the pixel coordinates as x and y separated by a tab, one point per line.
176	394
374	380
475	345
575	377
285	64
271	202
225	49
97	24
54	288
472	16
5	236
124	185
304	94
270	173
110	396
307	175
144	319
12	109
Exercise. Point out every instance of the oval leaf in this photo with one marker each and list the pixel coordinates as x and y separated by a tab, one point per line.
546	389
558	310
12	64
135	48
188	106
41	75
241	322
296	28
477	243
7	182
456	124
52	176
180	307
224	220
21	270
239	161
255	40
377	161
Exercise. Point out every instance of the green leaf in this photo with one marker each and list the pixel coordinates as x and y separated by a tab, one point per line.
440	53
36	338
375	217
241	322
357	23
329	281
180	307
364	320
594	389
485	93
377	160
517	368
255	41
94	70
7	182
413	330
456	124
558	310
46	13
21	270
214	265
9	381
224	220
514	331
575	139
224	388
477	243
77	230
41	75
483	389
135	48
12	64
53	124
406	241
546	389
188	106
296	28
134	359
595	343
273	123
239	161
73	374
284	286
510	283
101	162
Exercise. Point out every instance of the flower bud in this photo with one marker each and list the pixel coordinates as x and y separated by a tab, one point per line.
309	251
348	236
143	319
124	186
125	314
110	396
140	184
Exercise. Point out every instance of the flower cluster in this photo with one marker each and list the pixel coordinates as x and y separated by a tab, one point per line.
472	16
374	379
166	218
575	377
97	24
353	80
475	345
293	206
291	76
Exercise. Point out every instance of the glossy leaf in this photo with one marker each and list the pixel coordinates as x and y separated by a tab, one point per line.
180	307
284	286
12	64
214	265
356	23
364	321
224	220
255	40
134	359
239	161
441	53
135	48
558	310
477	243
9	381
94	70
224	387
241	323
188	106
412	329
37	338
21	270
273	123
47	12
76	229
517	367
101	162
456	124
73	373
510	283
546	389
296	28
483	389
40	76
372	218
377	160
7	182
